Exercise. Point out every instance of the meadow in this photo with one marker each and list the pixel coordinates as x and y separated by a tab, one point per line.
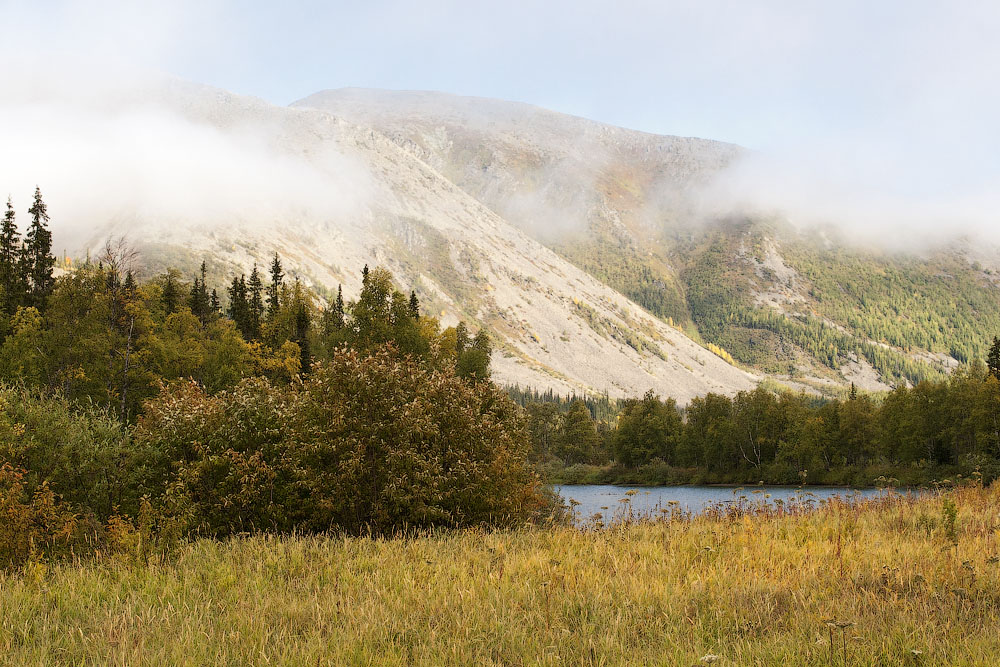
897	581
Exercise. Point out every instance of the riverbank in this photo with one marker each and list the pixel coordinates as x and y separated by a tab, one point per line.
901	581
661	474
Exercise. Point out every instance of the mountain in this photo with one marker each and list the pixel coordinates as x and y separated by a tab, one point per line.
806	306
554	324
603	197
591	252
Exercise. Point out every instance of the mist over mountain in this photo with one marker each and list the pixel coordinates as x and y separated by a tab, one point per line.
602	259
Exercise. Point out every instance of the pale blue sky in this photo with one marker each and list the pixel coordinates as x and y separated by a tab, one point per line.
749	72
899	98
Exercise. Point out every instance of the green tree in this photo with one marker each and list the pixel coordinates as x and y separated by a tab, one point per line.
709	439
302	326
474	361
759	426
199	300
993	358
37	254
648	429
170	295
373	442
577	439
22	355
414	305
274	289
13	281
239	307
255	305
543	422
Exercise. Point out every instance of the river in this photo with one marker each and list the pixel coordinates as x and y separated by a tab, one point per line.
614	501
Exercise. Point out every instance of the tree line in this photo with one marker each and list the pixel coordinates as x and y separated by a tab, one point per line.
912	434
26	264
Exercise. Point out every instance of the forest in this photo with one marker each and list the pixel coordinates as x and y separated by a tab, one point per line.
169	407
919	435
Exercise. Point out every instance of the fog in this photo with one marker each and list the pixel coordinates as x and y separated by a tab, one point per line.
879	119
139	146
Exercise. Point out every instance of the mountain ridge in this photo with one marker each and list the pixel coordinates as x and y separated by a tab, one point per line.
555	326
587	249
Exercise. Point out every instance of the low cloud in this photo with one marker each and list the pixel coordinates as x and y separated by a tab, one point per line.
867	197
107	150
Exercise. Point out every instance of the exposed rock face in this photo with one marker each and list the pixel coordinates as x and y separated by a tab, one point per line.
399	203
545	172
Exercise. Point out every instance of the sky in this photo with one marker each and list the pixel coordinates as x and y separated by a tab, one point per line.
868	110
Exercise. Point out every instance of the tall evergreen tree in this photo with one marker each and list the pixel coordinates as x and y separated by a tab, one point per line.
414	306
214	304
193	297
461	338
199	300
170	296
12	281
993	358
37	255
338	308
238	307
302	324
333	318
274	289
255	303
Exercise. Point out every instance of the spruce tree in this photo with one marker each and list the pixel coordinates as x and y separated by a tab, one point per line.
37	255
333	317
302	338
12	281
238	308
193	298
204	303
255	303
993	359
274	289
214	303
338	307
414	306
170	295
461	338
199	300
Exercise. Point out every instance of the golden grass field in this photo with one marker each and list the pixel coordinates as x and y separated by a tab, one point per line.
891	582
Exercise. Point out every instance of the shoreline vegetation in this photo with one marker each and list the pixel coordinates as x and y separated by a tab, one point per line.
896	580
658	475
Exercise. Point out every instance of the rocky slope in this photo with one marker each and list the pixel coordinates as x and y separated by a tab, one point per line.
630	209
587	249
555	325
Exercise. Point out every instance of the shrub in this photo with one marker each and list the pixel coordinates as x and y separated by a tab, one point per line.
81	452
374	442
32	525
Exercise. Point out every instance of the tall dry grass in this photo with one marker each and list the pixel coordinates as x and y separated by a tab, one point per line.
898	581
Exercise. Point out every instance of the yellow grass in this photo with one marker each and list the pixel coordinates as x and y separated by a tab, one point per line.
764	590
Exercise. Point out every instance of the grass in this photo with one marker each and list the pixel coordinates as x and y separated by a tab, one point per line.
891	582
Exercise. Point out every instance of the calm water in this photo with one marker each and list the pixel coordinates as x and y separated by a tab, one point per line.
607	500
